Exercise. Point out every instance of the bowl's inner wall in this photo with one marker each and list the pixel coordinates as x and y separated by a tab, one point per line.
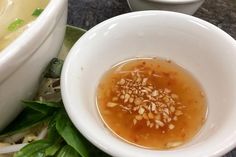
198	47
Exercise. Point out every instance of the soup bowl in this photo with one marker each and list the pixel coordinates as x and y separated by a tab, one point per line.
201	48
22	62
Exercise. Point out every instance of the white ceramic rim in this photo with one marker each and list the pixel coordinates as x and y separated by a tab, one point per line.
90	135
39	29
176	1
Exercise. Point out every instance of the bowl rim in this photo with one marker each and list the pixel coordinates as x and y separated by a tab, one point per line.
65	75
174	1
15	52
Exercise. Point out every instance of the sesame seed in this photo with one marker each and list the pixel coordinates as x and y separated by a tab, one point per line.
138	117
137	101
174	96
178	113
150	115
122	97
141	110
111	104
160	123
148	123
153	106
171	126
167	90
172	109
154	93
122	81
175	118
131	100
166	110
114	99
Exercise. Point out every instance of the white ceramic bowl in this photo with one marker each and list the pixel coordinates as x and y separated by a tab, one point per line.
22	62
200	47
182	6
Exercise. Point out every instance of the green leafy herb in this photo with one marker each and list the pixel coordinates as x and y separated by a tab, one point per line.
34	149
36	112
28	118
16	24
69	133
40	107
68	151
37	12
52	131
53	149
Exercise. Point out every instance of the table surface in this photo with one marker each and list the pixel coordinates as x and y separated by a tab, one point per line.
88	13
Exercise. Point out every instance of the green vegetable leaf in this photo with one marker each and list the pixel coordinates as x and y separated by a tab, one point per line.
28	118
34	149
68	151
69	133
43	107
53	149
36	112
15	24
54	68
53	136
44	103
52	132
37	12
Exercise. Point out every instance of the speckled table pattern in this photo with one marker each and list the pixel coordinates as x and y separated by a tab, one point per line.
88	13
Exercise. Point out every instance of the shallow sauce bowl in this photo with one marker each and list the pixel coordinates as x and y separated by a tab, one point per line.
23	61
204	50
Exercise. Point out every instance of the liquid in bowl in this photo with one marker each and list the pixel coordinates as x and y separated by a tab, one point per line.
151	103
16	16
